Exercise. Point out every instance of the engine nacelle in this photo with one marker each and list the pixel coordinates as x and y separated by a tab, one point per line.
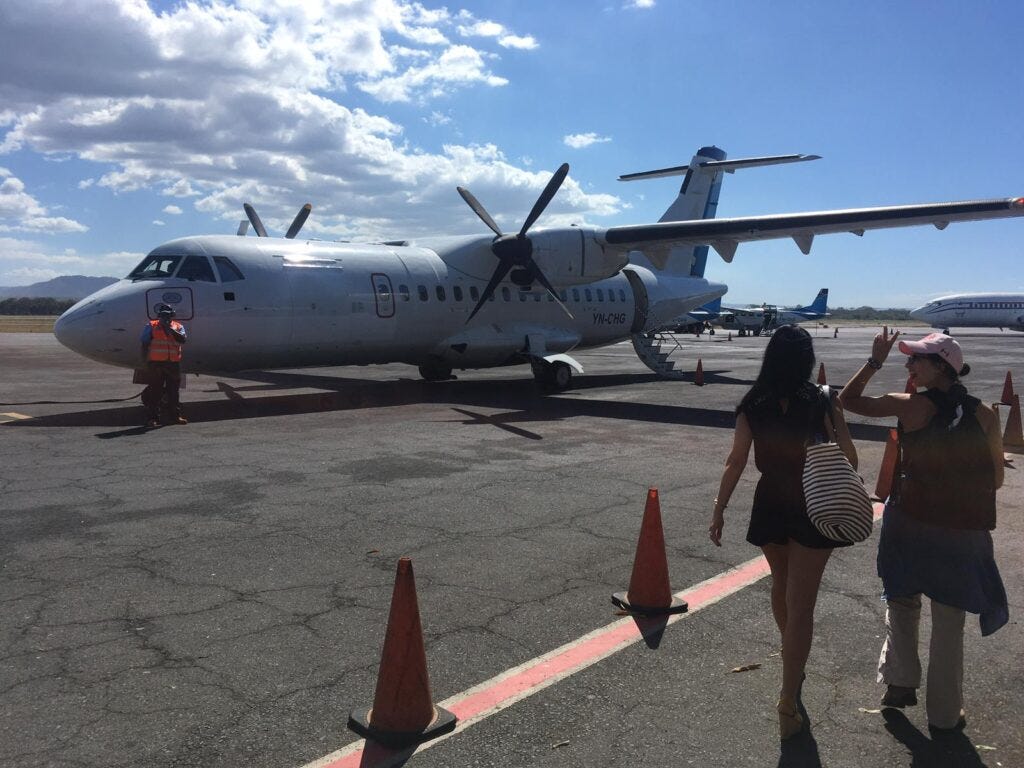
571	256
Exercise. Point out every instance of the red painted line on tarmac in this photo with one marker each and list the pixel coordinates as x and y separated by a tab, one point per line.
529	678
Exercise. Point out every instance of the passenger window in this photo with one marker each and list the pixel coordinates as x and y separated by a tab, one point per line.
588	294
474	294
457	293
384	291
600	294
403	291
422	291
537	296
197	268
575	294
228	272
506	295
563	295
611	295
440	293
156	266
523	295
622	296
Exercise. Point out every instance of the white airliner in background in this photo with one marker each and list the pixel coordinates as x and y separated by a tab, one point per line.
974	310
444	303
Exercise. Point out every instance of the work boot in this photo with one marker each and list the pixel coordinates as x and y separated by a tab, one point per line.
181	420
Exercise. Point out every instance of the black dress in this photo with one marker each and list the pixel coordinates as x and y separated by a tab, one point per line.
779	513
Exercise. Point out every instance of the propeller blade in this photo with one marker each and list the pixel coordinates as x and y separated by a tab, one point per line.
499	274
255	220
243	227
300	219
540	278
545	197
479	210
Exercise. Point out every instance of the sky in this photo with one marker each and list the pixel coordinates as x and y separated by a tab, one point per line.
125	123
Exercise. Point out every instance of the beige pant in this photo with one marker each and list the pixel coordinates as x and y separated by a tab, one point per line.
899	663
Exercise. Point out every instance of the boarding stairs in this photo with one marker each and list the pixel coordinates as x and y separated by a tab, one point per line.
655	350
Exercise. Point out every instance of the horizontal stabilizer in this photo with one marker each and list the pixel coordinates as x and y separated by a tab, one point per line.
729	166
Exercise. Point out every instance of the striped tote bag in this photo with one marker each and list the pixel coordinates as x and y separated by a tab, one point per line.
837	502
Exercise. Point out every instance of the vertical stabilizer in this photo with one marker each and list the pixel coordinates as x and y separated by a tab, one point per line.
820	304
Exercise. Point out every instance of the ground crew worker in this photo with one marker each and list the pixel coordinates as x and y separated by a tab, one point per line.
161	350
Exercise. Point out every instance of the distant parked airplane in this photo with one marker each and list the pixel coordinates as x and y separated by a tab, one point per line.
974	310
754	319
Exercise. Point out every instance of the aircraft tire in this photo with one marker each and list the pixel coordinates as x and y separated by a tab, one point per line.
561	376
435	372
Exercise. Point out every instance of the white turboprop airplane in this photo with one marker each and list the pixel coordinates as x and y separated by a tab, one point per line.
444	303
974	310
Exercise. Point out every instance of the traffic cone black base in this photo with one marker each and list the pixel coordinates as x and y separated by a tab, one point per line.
443	722
621	599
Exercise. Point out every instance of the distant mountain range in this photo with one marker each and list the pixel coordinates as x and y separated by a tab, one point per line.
64	287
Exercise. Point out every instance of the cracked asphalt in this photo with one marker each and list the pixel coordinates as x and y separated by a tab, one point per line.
216	594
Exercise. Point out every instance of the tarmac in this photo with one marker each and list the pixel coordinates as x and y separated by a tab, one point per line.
216	594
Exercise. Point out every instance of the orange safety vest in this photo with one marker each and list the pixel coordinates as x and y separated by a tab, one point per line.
163	348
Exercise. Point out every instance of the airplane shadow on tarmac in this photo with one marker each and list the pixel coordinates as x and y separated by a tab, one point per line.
519	400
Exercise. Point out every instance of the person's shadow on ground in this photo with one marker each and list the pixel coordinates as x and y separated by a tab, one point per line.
801	751
945	750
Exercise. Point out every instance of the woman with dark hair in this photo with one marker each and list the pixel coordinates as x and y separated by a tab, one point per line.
781	414
936	526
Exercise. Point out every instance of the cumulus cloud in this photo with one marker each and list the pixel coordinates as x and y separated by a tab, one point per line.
225	102
29	261
172	209
640	4
581	140
20	211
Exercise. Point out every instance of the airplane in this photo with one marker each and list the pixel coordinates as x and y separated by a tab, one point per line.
458	302
754	319
974	310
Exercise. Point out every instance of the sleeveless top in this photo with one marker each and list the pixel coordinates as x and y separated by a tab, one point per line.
946	476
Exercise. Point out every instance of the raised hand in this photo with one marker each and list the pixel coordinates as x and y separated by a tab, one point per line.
883	344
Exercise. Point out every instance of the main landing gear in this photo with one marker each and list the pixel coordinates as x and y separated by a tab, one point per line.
556	376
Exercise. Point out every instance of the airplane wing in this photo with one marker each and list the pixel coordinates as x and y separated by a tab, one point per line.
724	235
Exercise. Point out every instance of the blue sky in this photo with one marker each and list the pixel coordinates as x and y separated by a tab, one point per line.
124	124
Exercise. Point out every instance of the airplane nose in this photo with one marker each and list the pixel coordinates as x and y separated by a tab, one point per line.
77	325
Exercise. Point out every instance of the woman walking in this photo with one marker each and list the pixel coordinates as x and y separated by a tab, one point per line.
935	537
781	414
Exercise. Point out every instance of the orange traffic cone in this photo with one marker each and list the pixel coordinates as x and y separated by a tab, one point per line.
698	377
402	713
1007	398
911	388
887	473
821	374
649	591
1014	435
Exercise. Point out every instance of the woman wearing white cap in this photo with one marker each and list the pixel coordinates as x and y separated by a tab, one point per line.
935	537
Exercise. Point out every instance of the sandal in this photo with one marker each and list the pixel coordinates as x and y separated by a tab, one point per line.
791	722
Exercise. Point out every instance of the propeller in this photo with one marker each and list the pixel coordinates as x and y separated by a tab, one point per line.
261	231
515	252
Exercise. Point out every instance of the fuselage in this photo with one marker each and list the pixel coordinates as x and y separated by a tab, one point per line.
974	310
274	303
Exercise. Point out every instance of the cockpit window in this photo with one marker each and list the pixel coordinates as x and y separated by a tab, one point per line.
228	272
197	268
155	266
